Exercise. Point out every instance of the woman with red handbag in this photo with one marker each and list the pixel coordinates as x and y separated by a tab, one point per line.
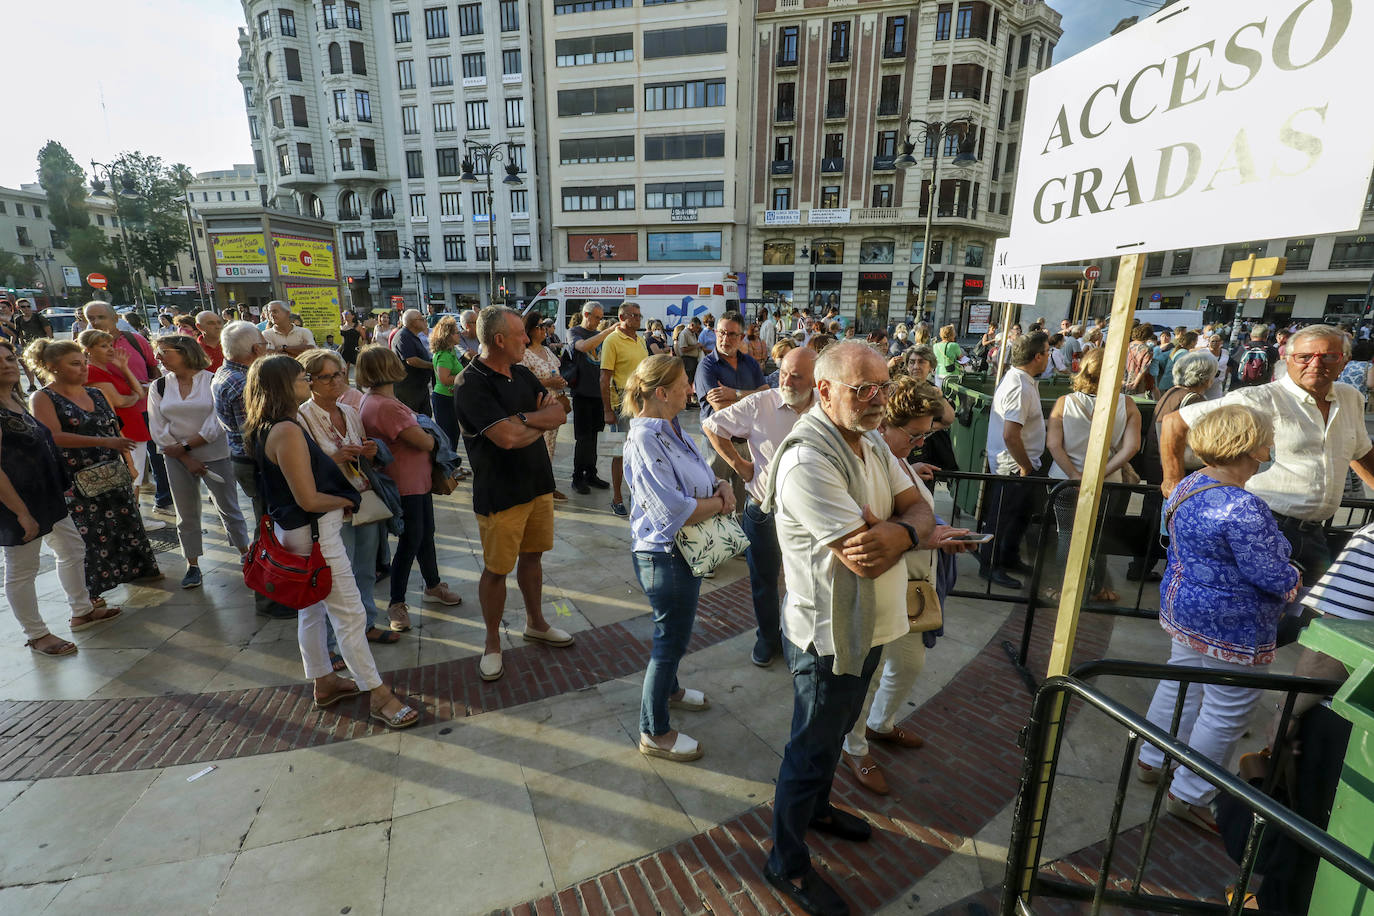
306	496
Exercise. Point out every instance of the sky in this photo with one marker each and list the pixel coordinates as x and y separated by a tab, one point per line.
167	72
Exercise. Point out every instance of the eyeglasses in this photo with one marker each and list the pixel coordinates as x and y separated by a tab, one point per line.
869	391
729	334
1326	358
913	438
326	377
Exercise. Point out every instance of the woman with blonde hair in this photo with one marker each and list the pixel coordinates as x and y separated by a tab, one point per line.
1224	591
674	487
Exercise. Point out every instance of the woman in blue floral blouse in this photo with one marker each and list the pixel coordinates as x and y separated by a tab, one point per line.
1221	599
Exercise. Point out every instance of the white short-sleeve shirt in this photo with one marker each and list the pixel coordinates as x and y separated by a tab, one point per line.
1018	400
296	337
814	508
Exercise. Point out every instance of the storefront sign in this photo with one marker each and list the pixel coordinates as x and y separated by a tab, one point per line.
833	217
979	317
1204	124
875	276
309	259
318	307
782	217
683	215
240	256
973	285
1012	282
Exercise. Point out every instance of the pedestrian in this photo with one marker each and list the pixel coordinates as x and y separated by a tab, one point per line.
724	377
546	366
503	412
410	343
589	413
282	334
621	352
443	344
208	327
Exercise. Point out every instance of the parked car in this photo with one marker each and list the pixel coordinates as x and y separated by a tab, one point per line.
61	320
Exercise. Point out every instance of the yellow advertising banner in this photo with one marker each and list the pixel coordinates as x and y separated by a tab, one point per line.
318	307
308	259
239	255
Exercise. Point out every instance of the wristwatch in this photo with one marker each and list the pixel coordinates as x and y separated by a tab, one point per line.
737	394
522	418
185	446
911	531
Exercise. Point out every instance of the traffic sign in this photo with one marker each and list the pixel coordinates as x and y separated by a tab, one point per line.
1092	272
1252	289
1156	297
97	280
1263	267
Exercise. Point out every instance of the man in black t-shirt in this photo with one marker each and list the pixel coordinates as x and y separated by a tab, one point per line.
504	411
31	325
588	412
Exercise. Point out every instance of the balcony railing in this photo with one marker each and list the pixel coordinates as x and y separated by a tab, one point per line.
787	60
834	109
840	56
884	163
832	164
785	113
782	166
889	108
894	50
383	212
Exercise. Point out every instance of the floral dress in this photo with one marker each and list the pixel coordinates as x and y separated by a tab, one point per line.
117	548
544	366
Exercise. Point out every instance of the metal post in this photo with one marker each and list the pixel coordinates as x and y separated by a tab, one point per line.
195	253
930	221
491	244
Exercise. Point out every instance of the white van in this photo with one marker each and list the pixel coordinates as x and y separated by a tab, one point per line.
671	298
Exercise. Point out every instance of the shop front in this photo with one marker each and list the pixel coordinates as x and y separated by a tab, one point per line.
875	290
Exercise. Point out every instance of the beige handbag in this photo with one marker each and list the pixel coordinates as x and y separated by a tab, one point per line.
923	606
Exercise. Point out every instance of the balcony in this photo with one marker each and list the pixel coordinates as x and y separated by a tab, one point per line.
383	212
832	164
884	163
785	114
787	60
834	110
839	56
894	51
889	108
782	167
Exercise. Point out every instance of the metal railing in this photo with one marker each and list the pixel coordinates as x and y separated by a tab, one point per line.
1042	741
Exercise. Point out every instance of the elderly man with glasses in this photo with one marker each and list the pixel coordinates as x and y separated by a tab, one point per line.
725	375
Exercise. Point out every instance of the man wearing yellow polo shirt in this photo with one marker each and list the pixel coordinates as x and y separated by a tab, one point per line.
620	354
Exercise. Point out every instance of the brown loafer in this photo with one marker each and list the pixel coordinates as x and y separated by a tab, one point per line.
867	773
898	736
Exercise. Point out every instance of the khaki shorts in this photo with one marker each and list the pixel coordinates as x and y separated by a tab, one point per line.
526	528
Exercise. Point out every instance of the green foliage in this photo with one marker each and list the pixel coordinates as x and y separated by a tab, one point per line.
65	184
16	271
154	214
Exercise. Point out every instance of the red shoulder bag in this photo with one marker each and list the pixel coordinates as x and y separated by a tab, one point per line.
285	577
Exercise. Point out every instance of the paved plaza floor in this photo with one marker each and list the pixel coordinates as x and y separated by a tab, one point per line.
526	795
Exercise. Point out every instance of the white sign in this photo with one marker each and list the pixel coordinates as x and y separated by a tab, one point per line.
1209	122
71	277
979	317
782	217
241	271
1011	281
833	217
683	215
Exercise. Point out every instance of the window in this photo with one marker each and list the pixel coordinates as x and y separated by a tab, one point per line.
882	197
1182	262
992	29
966	81
443	117
839	41
690	94
787	101
520	247
937	251
481	251
335	58
470	19
388	245
519	201
253	131
288	23
400	27
887	143
298	116
415	163
421	248
417	208
1242	250
476	115
450	205
346	158
1154	264
834	146
585	6
510	62
787	47
436	22
517	156
937	82
259	165
410	119
283	159
670	195
455	248
355	249
405	74
353	16
99	217
1299	253
1350	251
515	112
305	158
996	161
894	37
510	15
441	71
449	159
972	21
973	255
248	97
830	196
600	100
1017	101
275	105
22	233
331	14
363	102
264	25
293	64
684	246
367	152
835	92
890	95
597	49
1011	159
596	149
697	39
357	57
1023	57
610	197
782	198
943	14
481	206
474	65
685	146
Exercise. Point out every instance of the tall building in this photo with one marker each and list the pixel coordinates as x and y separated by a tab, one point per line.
358	112
840	89
647	116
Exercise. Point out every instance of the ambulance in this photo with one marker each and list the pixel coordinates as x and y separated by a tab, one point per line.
671	298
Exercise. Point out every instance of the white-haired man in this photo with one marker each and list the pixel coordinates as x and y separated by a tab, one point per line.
282	335
411	344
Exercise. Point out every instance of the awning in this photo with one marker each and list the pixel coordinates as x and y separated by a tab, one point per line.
358	277
392	275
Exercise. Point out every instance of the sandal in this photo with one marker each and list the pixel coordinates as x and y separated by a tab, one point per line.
1105	594
343	693
97	602
61	648
95	616
386	637
405	717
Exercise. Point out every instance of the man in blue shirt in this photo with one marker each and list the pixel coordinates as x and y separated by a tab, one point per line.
411	344
724	376
706	337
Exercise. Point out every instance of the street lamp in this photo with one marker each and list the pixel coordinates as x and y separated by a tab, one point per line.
43	257
599	249
934	132
128	189
810	276
419	275
486	153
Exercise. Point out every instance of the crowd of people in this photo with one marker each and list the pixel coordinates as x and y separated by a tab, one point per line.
820	446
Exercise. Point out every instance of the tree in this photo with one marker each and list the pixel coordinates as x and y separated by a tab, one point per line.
153	213
16	271
65	184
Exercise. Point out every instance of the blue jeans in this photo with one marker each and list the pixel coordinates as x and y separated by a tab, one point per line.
825	707
361	544
415	543
672	591
764	557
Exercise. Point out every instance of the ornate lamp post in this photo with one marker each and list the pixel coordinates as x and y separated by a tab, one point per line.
486	153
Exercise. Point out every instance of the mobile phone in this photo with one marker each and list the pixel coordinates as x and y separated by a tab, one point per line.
973	538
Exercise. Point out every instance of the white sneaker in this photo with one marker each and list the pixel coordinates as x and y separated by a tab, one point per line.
153	524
